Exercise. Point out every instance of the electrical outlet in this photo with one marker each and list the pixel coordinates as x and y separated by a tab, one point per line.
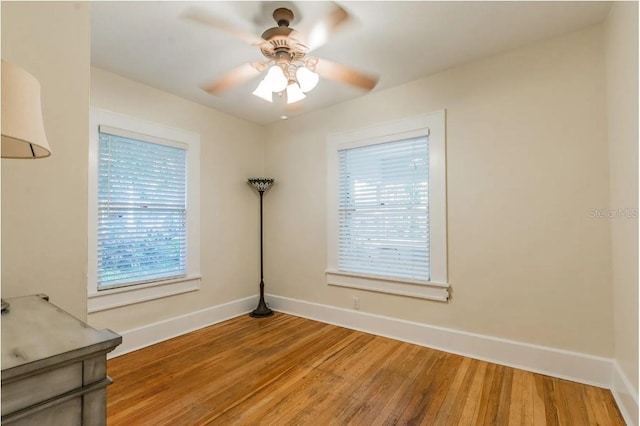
356	303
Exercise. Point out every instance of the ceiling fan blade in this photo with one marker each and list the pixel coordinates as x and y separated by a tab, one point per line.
234	77
203	16
342	74
320	32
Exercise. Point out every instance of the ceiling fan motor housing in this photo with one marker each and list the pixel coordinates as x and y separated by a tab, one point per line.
279	45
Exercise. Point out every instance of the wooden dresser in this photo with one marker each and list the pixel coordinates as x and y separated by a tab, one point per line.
53	366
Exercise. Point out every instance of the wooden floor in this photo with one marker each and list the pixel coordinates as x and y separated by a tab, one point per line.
287	370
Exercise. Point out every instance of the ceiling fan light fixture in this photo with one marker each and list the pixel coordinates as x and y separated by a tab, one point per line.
275	79
307	79
264	91
294	93
285	50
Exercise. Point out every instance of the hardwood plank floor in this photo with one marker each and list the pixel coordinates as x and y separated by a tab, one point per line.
288	370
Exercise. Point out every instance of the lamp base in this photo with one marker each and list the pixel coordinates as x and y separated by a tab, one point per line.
262	310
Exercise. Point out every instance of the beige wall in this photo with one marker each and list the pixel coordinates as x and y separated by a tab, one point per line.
527	152
231	151
44	218
622	111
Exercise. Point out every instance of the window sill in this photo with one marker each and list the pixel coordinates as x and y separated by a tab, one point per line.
404	287
124	296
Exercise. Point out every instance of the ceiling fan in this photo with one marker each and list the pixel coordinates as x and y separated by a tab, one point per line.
290	72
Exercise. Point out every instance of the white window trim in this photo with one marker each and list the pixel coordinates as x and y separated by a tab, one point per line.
433	125
128	295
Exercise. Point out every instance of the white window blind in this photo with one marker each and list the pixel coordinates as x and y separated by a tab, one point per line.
384	209
142	209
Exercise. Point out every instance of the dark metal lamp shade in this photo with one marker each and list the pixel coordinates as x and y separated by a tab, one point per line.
261	183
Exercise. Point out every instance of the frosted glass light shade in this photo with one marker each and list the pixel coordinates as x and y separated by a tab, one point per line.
307	79
275	79
263	91
294	94
23	133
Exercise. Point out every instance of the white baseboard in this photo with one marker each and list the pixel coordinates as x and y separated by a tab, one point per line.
625	394
150	334
559	363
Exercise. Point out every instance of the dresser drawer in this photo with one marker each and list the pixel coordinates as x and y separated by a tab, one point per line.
68	413
40	387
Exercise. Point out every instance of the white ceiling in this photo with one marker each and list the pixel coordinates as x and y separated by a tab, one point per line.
152	43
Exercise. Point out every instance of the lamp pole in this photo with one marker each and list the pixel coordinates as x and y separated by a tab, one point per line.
261	184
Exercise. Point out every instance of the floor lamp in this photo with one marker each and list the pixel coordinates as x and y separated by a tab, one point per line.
261	184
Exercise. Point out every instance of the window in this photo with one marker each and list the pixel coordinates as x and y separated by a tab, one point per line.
387	208
143	205
142	209
383	209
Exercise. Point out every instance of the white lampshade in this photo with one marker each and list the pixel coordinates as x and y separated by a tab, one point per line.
294	94
22	125
307	79
275	79
263	91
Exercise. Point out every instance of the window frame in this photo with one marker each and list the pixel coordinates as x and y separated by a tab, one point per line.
432	125
108	298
